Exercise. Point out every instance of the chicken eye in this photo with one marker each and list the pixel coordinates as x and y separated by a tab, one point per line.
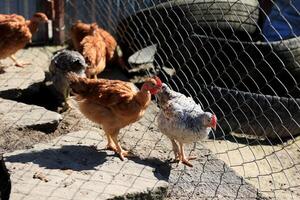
152	84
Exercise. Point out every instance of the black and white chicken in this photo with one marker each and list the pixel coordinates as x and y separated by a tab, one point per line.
183	121
62	63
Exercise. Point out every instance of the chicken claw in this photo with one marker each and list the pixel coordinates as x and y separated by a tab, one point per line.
22	64
183	158
123	154
18	64
186	162
111	146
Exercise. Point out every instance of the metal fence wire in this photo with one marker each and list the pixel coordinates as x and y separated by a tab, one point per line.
239	59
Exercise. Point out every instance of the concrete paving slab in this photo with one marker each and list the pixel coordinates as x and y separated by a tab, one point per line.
16	80
70	167
19	115
210	178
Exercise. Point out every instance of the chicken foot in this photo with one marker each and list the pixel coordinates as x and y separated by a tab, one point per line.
110	143
183	158
122	153
18	64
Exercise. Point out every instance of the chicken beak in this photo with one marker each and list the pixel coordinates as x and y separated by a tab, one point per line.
214	127
159	89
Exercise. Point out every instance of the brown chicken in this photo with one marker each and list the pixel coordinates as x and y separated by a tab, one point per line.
94	52
113	103
78	31
113	52
16	32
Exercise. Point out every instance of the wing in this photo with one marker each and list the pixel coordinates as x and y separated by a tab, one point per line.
93	49
110	43
78	31
114	92
101	91
12	18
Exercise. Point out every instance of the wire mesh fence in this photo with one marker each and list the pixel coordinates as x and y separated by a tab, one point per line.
238	59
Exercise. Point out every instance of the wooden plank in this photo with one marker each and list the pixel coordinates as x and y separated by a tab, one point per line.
59	22
49	11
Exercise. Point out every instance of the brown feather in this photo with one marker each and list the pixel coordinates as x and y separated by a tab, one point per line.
94	52
112	103
103	91
111	43
80	30
14	34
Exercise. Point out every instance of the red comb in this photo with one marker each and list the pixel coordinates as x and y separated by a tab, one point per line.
158	81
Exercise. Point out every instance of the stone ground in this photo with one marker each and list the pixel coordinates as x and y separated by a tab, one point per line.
63	163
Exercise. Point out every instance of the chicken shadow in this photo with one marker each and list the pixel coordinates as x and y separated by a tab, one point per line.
72	157
36	94
162	169
79	158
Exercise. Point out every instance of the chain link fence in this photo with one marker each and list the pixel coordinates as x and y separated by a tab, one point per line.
237	58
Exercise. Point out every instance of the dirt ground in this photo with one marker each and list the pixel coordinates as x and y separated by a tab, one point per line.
273	169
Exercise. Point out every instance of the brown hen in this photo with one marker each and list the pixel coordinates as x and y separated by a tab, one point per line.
112	103
113	52
94	52
16	32
78	31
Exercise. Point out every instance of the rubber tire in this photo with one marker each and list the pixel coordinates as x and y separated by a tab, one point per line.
257	115
177	19
246	66
289	51
233	15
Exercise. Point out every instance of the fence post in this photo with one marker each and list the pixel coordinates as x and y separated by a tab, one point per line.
58	22
48	8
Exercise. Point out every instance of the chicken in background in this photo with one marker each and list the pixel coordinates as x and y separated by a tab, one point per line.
182	121
113	52
113	103
94	52
16	32
78	31
61	64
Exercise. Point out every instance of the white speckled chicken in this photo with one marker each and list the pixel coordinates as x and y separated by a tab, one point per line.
62	63
183	121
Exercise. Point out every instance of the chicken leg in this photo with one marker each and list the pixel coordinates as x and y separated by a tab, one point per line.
13	58
183	158
175	149
122	153
110	143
